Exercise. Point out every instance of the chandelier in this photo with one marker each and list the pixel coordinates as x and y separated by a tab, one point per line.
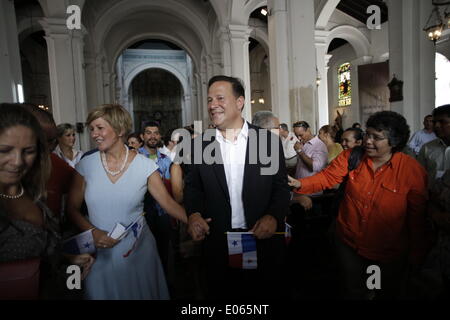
436	24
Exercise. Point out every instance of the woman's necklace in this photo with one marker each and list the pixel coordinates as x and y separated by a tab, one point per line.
68	153
105	163
17	196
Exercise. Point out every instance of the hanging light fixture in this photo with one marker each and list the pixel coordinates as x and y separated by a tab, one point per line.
259	93
435	24
264	11
434	28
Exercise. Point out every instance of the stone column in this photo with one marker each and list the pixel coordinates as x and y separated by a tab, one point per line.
279	57
224	35
194	96
302	66
10	64
188	106
240	66
67	79
99	78
197	95
217	63
203	96
322	59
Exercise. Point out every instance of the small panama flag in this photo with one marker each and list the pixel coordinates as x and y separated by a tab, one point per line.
136	228
242	250
81	243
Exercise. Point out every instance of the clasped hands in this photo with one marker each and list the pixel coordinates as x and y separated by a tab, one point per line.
198	227
298	146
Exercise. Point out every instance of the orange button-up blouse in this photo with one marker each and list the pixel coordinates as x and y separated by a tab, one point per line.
383	213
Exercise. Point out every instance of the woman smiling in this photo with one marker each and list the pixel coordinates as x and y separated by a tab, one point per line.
381	218
27	227
113	180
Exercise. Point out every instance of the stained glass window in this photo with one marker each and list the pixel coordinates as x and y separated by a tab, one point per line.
345	85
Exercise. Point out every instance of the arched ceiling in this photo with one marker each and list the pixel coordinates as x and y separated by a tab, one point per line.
126	33
115	24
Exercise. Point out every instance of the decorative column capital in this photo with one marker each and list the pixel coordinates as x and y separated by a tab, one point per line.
223	34
57	28
321	37
239	31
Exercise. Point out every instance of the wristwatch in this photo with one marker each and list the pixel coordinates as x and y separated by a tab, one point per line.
300	151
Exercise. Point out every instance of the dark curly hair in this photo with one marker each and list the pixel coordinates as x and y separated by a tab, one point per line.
394	124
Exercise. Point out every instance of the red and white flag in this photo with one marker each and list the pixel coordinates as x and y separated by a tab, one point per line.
242	250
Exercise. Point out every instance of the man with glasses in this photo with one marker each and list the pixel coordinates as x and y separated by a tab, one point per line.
312	153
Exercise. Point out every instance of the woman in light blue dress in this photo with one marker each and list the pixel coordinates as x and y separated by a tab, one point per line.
113	181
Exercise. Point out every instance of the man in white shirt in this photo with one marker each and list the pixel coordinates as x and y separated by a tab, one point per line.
423	136
234	195
435	155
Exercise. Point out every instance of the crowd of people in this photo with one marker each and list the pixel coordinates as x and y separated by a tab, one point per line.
391	195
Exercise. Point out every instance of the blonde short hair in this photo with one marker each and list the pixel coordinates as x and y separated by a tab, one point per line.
115	115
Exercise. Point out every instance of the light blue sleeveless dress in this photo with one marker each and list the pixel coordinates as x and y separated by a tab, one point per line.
132	269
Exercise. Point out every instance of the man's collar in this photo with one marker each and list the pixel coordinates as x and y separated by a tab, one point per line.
243	132
309	141
145	151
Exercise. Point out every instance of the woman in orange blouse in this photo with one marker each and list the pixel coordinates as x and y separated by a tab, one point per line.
381	218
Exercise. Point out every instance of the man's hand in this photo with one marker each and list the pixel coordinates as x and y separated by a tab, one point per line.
265	227
298	146
294	182
198	227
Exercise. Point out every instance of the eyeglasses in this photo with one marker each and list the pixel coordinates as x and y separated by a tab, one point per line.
373	137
